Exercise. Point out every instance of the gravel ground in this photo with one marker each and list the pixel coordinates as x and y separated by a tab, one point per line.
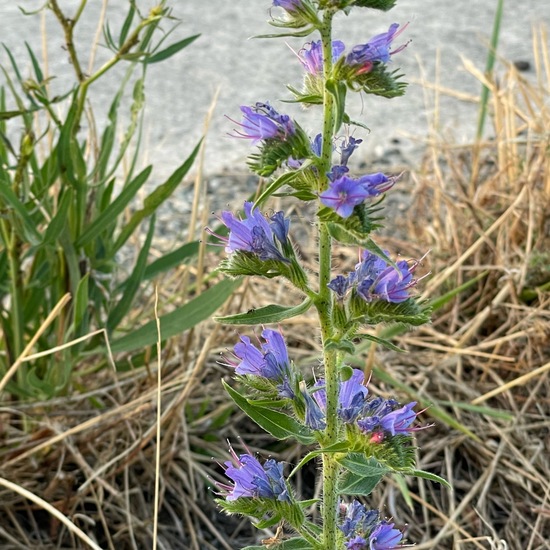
180	90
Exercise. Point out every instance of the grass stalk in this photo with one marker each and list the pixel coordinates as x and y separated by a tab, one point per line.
489	66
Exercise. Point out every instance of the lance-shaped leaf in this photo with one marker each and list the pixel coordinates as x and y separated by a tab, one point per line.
279	425
193	312
411	311
431	477
266	315
362	476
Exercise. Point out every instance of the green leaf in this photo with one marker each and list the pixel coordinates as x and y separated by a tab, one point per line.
343	345
170	50
439	302
192	313
353	484
410	311
58	222
156	198
431	477
286	178
362	476
405	491
279	425
29	226
340	447
338	90
381	341
132	283
81	302
112	211
126	25
180	256
272	313
358	464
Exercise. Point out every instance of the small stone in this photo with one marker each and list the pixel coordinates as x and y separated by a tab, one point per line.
522	65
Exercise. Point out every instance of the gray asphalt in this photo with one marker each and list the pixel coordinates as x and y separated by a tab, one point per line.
244	71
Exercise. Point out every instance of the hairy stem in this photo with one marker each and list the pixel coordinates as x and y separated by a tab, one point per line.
330	466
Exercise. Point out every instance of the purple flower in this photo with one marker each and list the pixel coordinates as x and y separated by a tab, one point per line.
263	122
356	543
376	279
376	50
351	396
315	416
390	284
317	145
271	362
340	286
280	226
381	415
399	421
348	148
343	195
385	537
252	480
288	5
311	55
337	172
377	183
253	234
358	519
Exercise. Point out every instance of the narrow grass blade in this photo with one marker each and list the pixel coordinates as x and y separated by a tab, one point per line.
156	198
192	313
114	209
132	283
170	50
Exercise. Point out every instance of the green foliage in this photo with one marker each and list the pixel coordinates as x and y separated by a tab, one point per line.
280	425
64	206
272	313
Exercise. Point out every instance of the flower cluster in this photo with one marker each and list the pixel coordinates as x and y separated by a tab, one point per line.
378	418
364	530
270	361
254	480
255	234
375	279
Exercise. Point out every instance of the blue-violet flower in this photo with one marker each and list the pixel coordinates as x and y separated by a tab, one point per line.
263	122
252	480
311	55
385	537
345	193
271	362
376	50
255	234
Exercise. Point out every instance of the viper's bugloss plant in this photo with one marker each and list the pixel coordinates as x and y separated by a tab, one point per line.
358	437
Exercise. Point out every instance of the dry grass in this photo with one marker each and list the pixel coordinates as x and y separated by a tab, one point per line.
485	360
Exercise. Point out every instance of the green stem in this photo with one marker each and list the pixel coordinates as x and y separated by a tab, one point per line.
10	242
130	42
330	466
